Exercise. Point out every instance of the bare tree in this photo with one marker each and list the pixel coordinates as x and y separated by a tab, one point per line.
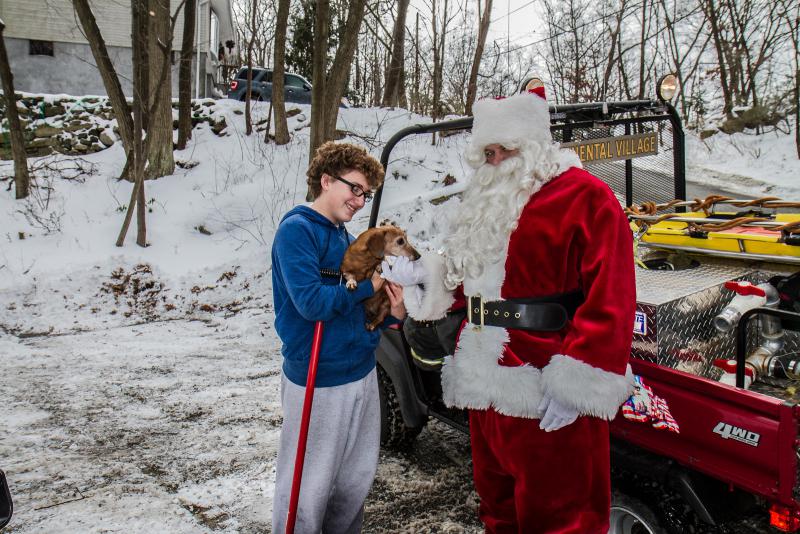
790	12
139	29
394	75
139	12
185	75
483	31
437	63
319	69
685	54
248	93
339	73
108	74
262	36
160	161
21	177
330	84
278	70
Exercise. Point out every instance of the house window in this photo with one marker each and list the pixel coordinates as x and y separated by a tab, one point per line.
213	35
40	48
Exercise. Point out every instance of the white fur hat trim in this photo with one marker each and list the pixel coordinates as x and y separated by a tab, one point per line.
509	121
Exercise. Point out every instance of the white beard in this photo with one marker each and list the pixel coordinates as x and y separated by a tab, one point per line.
481	225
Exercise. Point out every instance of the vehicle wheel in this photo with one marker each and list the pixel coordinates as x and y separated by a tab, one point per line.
631	516
395	434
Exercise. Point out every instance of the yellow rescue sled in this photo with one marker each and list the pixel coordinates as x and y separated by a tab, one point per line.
710	227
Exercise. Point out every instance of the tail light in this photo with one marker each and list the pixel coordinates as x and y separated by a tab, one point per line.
234	84
784	518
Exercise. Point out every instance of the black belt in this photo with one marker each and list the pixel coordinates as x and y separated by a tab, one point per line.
545	314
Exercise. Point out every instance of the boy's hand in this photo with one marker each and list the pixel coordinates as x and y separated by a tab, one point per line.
377	282
395	292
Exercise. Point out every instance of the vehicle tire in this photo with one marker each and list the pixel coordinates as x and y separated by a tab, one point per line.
395	434
632	516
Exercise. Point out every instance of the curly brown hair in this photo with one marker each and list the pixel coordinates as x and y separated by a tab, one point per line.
336	159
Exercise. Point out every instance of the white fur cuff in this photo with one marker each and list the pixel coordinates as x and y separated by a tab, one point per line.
436	299
591	390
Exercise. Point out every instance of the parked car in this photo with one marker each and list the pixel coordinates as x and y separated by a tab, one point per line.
295	88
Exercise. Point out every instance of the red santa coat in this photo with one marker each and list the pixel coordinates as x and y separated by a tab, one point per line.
571	235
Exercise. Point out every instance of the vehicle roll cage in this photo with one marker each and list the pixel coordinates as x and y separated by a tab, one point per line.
566	118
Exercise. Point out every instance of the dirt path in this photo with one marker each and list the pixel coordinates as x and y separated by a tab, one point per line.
173	427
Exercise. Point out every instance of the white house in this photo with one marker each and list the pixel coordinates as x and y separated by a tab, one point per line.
49	53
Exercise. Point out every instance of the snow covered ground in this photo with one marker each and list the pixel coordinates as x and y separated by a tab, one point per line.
140	385
757	165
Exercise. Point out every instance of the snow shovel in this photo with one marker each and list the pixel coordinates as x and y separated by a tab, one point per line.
304	421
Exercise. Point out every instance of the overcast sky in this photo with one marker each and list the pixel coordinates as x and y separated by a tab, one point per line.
518	21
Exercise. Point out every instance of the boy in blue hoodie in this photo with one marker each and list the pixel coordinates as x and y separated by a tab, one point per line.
344	433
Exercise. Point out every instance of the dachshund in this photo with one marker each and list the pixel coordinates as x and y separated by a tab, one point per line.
363	257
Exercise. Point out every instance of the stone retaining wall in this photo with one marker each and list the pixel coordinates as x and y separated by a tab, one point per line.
78	125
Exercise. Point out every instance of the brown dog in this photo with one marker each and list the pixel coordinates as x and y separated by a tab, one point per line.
363	257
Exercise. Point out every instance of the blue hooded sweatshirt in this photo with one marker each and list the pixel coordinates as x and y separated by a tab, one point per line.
306	241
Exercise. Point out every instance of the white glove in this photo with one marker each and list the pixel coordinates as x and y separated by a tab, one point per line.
556	415
404	272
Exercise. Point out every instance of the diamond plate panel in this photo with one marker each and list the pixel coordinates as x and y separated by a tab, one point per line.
679	306
678	309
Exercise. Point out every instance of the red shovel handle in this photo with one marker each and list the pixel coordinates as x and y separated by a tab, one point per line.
304	421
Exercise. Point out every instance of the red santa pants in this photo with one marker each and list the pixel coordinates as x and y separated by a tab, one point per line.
531	481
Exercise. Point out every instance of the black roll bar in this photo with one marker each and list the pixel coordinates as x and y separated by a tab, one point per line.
569	113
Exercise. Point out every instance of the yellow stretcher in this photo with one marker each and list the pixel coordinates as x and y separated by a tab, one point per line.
757	237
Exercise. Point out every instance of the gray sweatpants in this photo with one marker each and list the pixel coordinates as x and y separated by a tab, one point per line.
341	456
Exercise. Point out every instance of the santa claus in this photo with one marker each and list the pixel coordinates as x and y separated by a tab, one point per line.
541	255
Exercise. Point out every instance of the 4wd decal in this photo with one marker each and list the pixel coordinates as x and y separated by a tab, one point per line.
727	431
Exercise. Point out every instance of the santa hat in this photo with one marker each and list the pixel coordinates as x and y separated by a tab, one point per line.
509	121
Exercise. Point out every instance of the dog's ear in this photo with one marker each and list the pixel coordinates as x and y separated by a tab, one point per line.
375	244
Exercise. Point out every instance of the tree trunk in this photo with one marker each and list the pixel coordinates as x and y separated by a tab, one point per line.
394	74
185	75
116	96
339	74
483	30
22	181
159	134
611	49
796	43
797	109
278	70
416	105
436	63
141	82
138	12
319	66
642	49
403	97
711	17
248	120
376	86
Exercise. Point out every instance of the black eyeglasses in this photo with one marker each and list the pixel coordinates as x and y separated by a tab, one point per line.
356	189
